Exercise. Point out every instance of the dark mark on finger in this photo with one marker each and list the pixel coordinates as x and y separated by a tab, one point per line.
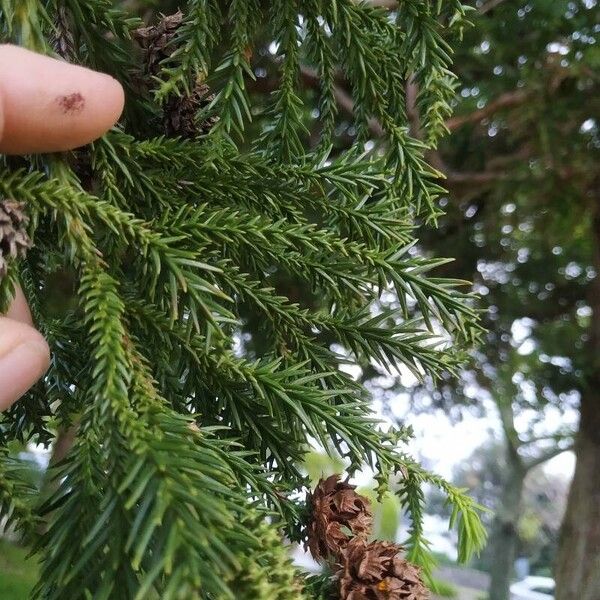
72	103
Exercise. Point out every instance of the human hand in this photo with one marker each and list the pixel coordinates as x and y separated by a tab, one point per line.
46	105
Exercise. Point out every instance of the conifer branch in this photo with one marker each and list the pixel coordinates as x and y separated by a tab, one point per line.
187	457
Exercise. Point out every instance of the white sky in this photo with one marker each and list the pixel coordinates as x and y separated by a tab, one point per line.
441	445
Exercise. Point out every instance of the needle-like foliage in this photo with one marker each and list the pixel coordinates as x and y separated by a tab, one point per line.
185	475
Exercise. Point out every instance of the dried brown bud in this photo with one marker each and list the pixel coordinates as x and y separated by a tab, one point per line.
14	240
338	513
376	571
181	112
155	40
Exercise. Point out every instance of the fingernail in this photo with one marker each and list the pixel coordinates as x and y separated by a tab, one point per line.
20	368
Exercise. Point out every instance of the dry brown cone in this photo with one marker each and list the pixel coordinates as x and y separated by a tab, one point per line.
376	571
180	115
180	112
155	40
62	39
14	240
337	514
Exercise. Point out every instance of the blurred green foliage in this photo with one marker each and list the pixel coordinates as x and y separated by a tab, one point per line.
17	574
445	590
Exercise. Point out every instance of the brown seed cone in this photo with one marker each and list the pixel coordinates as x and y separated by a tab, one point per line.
62	38
376	571
14	240
181	112
155	40
337	514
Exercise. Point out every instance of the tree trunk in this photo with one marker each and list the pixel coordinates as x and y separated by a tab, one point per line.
504	535
578	562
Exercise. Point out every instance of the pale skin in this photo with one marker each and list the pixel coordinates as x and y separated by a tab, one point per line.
46	105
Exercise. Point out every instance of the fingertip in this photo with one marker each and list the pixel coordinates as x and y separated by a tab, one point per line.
24	358
116	93
15	333
41	349
51	105
1	119
18	309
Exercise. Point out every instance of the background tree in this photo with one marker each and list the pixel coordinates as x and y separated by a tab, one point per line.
533	431
178	229
542	504
521	168
522	219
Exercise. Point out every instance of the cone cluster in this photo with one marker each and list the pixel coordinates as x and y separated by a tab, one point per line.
377	571
156	41
62	38
338	514
14	240
180	115
340	524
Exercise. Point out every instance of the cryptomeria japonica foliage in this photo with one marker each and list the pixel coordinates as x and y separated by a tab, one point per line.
164	238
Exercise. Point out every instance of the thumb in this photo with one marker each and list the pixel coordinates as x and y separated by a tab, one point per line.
24	354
